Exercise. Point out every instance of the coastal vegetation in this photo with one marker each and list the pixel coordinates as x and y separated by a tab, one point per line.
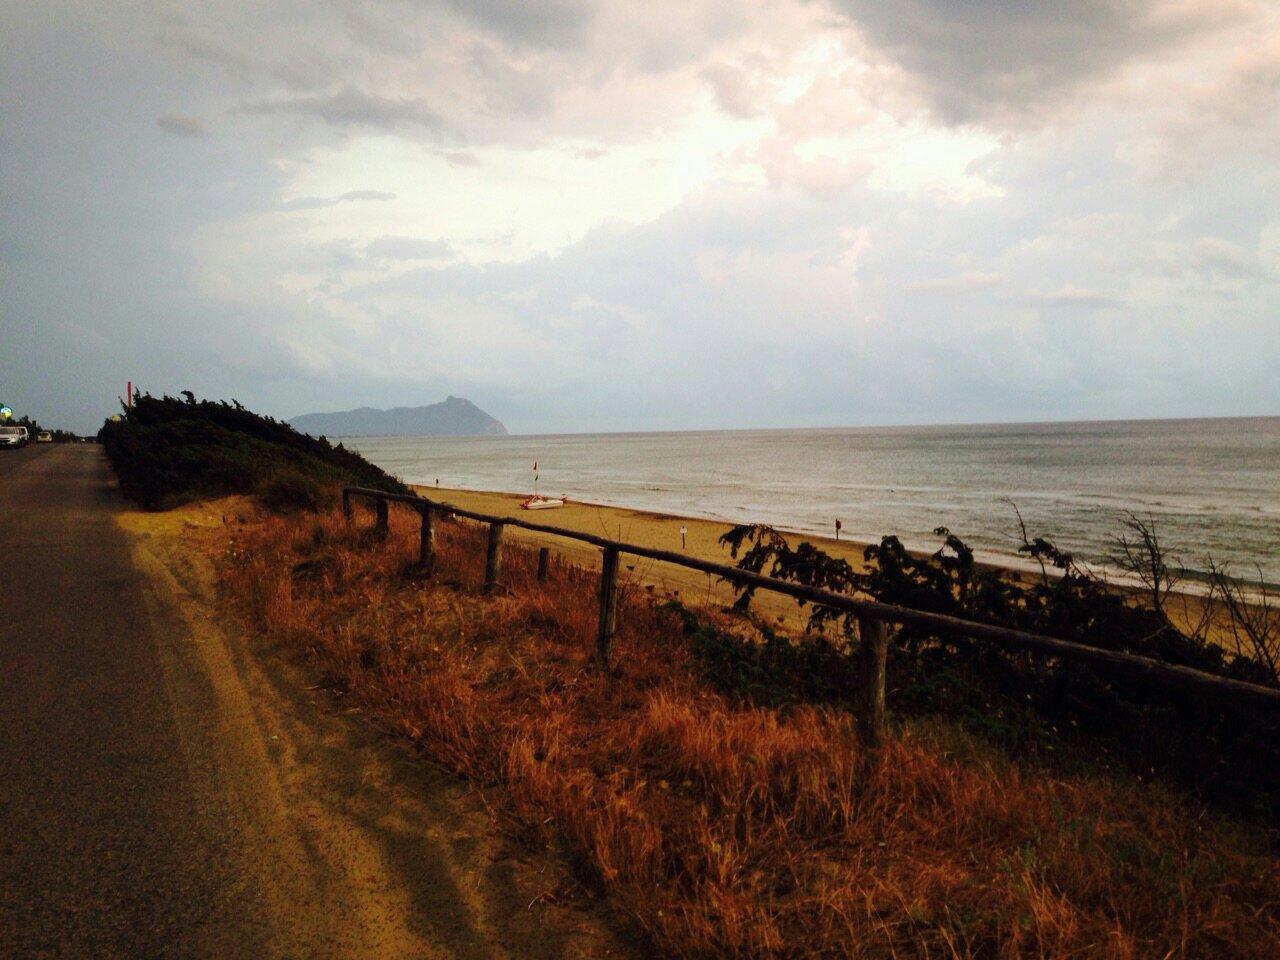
712	784
168	449
725	812
1226	752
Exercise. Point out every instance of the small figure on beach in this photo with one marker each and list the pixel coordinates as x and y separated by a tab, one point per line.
838	526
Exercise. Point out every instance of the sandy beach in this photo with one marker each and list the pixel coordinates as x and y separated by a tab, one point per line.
701	539
623	523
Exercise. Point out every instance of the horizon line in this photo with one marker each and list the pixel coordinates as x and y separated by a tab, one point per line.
865	426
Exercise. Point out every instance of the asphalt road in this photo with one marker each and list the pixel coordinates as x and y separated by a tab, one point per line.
104	848
163	793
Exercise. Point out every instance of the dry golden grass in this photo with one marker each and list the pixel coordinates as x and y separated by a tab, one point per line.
719	829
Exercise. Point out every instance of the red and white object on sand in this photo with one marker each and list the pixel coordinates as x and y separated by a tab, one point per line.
537	502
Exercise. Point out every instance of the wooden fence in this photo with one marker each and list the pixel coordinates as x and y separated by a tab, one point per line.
872	615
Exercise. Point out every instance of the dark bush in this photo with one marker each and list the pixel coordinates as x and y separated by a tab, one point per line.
1032	704
166	450
293	494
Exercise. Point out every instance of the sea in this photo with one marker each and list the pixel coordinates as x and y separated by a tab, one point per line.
1211	487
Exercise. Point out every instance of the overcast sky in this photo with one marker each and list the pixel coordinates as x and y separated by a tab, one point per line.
649	215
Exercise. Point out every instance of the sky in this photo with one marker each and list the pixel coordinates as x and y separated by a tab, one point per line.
592	216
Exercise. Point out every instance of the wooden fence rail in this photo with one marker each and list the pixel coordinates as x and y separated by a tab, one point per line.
871	614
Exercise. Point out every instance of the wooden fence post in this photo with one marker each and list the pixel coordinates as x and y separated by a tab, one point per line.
380	526
346	505
427	545
872	654
544	556
608	605
493	558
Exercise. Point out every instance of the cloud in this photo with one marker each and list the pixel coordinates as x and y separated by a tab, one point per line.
552	23
1218	100
613	215
1269	248
735	92
319	203
180	126
366	195
408	248
970	280
461	158
195	47
13	251
1072	296
1008	61
353	107
1225	258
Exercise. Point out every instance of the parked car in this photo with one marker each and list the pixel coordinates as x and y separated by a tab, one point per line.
44	436
14	436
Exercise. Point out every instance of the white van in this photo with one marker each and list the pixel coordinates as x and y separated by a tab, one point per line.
13	436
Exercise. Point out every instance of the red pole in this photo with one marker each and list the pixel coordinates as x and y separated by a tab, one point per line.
128	396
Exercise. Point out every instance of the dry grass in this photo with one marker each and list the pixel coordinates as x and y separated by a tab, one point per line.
719	829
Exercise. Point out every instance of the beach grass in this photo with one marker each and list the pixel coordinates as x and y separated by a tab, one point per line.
717	826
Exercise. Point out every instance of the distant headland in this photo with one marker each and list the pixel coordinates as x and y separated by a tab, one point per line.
455	417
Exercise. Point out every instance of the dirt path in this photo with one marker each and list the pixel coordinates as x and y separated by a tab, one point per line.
170	791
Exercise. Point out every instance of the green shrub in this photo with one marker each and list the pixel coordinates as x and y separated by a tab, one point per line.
166	450
1226	752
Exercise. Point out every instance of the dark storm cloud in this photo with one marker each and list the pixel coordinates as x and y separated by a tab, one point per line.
1006	60
352	107
180	126
201	49
551	23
